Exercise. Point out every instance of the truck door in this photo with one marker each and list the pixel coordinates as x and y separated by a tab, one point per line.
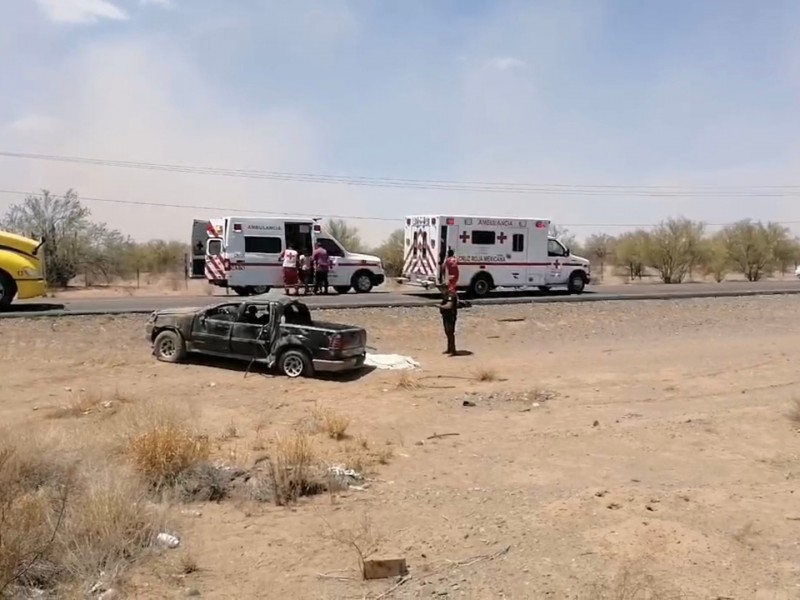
556	257
198	251
251	331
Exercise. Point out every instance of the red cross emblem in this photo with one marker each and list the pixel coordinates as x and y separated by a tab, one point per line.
557	264
502	237
464	237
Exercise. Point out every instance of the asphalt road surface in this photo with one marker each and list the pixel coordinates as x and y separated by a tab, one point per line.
378	298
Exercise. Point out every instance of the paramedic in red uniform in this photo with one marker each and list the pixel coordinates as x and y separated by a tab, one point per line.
289	258
451	267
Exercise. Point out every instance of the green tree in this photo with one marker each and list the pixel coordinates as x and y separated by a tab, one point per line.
716	261
754	248
674	247
392	253
600	246
630	252
347	235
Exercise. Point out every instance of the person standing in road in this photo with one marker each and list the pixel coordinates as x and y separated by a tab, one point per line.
289	258
322	265
449	310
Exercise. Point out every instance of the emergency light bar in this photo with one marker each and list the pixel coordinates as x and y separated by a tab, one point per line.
451	221
541	224
237	227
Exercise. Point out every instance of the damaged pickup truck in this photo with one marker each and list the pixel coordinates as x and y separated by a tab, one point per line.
276	332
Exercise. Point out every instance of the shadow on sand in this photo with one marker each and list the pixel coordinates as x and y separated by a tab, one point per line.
240	366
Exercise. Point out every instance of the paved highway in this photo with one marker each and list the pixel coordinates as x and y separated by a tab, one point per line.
378	298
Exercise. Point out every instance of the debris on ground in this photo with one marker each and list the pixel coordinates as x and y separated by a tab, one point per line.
390	362
385	568
346	478
167	540
529	399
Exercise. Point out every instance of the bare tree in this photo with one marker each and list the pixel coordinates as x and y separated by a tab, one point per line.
347	235
600	246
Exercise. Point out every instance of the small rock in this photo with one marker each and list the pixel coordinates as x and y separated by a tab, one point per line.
535	405
419	443
108	404
596	424
614	506
35	408
192	592
67	389
468	403
109	595
601	493
212	384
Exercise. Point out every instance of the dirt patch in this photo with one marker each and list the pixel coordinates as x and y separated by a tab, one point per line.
611	445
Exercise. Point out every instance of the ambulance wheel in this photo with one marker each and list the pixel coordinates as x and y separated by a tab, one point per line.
295	363
342	289
258	289
481	285
577	283
362	282
241	291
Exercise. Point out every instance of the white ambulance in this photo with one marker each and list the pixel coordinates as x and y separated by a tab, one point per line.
492	252
243	254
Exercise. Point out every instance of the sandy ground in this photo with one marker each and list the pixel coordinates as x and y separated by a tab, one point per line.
622	444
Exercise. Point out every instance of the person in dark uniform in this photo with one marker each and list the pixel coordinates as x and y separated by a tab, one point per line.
449	310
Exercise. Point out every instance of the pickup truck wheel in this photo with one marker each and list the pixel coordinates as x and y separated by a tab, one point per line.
295	363
169	346
577	283
8	289
362	282
342	289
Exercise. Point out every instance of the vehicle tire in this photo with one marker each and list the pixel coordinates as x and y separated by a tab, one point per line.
8	289
577	283
169	346
342	289
362	282
295	363
481	285
257	290
241	291
544	288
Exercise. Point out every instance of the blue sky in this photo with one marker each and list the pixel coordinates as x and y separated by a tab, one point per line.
594	92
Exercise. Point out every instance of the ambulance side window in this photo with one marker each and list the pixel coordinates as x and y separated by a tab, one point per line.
331	247
214	247
518	242
262	245
554	248
482	238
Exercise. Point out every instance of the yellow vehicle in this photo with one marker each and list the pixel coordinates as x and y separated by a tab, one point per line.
21	268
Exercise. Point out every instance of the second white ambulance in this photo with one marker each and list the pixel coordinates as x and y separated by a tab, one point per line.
492	252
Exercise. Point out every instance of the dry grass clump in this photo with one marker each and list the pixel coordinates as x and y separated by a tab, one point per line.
83	403
334	424
407	381
485	374
60	526
164	452
362	455
293	469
